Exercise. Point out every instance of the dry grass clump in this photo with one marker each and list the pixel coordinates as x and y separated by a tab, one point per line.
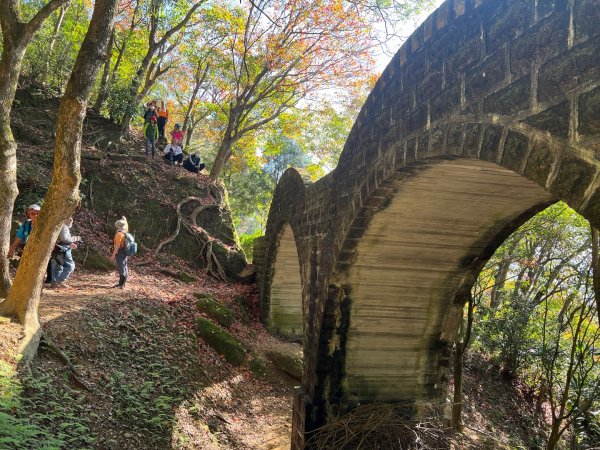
379	427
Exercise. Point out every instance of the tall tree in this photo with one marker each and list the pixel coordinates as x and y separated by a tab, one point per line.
63	192
278	53
158	48
16	36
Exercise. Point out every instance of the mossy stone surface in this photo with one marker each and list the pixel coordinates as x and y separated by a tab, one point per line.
96	261
258	367
223	342
214	309
288	362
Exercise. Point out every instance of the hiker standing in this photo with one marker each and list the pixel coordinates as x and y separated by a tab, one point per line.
163	117
25	229
151	134
150	111
118	255
62	261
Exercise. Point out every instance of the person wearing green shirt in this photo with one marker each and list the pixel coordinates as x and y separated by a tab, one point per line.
151	134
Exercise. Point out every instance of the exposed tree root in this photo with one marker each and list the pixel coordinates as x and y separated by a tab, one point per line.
171	238
213	265
46	341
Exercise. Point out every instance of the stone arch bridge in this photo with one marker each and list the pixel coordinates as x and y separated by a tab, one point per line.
488	113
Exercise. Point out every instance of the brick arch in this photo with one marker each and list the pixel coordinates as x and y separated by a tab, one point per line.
397	290
282	273
513	85
285	312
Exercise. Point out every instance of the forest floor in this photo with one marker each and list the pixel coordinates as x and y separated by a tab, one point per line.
153	384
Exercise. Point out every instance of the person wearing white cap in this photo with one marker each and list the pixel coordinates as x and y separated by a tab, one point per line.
118	255
25	229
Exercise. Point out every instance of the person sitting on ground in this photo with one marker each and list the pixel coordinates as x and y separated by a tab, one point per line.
151	133
62	260
174	154
118	255
150	111
163	117
177	135
194	163
25	229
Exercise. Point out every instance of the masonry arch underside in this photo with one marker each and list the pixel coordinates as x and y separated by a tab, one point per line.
285	306
405	286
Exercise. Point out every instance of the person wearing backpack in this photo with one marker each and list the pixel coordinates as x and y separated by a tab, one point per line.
24	230
151	134
62	262
118	255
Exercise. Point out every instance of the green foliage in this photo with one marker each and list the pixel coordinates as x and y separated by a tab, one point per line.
535	313
44	419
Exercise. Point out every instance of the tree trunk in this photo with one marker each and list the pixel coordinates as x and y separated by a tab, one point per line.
221	159
458	387
461	346
554	437
63	192
188	136
133	103
103	90
10	67
596	269
57	25
15	38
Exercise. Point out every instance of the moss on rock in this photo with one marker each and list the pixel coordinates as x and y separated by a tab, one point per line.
96	261
220	313
288	362
258	367
223	342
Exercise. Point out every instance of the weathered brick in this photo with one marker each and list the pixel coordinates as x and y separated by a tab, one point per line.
446	102
414	70
515	151
546	7
509	21
430	85
569	70
411	150
554	120
540	161
454	139
418	120
548	37
510	100
589	113
438	140
592	210
472	135
464	56
586	18
574	176
423	147
486	76
490	146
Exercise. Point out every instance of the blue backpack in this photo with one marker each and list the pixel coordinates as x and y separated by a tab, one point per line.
130	247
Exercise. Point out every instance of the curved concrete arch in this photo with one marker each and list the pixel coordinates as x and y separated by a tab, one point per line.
285	312
507	89
281	285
